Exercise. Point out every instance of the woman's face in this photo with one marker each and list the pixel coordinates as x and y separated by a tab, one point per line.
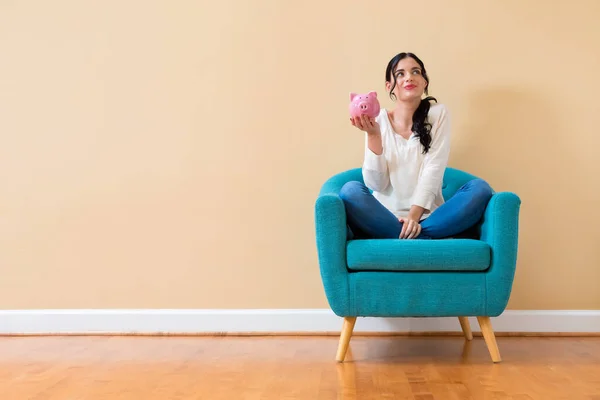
410	83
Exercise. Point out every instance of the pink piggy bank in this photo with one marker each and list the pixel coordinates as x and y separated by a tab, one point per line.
364	104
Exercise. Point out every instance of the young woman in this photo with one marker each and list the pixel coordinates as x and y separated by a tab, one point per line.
406	154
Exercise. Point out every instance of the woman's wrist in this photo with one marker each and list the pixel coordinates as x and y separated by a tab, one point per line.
416	212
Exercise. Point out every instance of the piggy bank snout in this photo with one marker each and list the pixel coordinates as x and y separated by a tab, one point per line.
364	105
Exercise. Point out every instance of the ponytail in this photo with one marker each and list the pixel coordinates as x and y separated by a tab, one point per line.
421	126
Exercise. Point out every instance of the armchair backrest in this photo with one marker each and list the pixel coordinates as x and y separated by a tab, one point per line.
453	180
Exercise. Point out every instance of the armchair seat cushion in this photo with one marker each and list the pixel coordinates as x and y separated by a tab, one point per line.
418	255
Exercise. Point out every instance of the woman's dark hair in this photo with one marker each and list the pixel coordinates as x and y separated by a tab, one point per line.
421	127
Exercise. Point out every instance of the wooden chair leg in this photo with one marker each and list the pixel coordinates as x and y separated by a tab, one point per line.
466	327
489	337
347	329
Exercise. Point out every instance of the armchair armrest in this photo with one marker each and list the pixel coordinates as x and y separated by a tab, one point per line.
331	234
500	229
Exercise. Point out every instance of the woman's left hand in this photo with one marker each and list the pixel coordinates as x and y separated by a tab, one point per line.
410	228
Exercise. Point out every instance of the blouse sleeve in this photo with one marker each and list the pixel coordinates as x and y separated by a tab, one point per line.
375	168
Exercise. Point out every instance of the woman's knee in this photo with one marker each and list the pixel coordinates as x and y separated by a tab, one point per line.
481	190
353	189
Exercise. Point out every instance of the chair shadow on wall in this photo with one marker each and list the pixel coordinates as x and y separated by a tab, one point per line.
508	139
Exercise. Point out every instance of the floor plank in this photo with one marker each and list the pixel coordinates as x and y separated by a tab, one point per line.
263	368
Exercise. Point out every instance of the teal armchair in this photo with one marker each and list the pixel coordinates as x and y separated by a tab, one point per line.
458	277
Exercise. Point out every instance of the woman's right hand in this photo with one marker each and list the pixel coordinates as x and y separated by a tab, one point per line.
366	124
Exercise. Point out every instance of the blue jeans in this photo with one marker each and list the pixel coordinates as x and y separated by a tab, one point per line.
367	218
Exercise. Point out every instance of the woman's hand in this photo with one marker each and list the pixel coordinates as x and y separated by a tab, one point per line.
410	228
365	123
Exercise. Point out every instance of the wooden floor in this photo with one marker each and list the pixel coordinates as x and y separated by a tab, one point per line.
236	368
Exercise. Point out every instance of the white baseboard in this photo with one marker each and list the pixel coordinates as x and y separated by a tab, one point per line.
19	322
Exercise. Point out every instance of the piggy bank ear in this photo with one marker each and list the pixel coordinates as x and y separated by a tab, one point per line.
352	96
374	94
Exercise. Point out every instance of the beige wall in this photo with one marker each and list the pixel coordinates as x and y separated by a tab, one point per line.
168	154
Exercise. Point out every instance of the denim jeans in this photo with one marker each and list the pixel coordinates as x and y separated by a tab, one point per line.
367	218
